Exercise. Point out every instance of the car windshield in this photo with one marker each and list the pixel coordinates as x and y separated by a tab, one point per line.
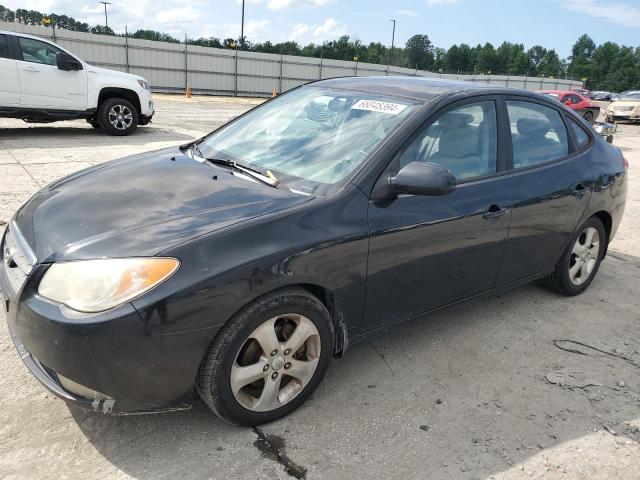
311	138
555	96
630	96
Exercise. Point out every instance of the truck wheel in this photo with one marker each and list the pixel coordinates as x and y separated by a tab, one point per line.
118	116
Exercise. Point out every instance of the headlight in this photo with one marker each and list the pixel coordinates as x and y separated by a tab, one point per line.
96	285
144	84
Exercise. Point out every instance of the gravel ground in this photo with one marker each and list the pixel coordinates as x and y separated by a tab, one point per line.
525	384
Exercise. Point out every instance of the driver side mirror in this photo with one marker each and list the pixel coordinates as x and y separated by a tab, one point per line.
568	103
421	178
66	62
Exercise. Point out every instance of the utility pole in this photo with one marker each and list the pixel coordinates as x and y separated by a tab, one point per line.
393	37
242	28
106	20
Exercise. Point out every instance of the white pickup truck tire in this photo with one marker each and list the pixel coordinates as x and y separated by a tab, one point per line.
117	116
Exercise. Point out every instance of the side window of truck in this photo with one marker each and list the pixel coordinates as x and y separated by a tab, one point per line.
4	47
36	51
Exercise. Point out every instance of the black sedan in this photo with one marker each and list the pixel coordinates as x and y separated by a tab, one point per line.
238	265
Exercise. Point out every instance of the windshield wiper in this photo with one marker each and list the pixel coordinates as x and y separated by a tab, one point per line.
258	175
268	178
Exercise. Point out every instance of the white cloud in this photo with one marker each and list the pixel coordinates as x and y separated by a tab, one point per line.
177	15
330	29
620	13
299	31
407	13
303	33
435	3
279	4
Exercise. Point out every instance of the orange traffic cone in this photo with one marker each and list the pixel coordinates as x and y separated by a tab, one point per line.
188	91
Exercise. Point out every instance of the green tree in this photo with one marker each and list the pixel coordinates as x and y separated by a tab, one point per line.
582	56
7	15
152	35
487	60
206	42
536	54
102	30
420	52
550	65
458	59
29	17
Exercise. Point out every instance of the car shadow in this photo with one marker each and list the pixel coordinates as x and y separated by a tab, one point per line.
468	392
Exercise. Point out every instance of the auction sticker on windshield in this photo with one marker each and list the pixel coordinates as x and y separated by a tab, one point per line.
378	106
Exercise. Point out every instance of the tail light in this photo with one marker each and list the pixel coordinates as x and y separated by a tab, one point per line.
625	162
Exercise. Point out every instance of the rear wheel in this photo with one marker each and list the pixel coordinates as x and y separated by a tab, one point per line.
268	359
588	116
118	116
579	264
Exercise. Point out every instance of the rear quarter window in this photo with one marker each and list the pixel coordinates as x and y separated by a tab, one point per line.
582	137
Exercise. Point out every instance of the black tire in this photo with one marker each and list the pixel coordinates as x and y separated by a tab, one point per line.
588	116
214	383
559	281
113	106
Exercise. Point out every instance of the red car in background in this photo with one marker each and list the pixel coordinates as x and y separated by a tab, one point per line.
575	101
584	92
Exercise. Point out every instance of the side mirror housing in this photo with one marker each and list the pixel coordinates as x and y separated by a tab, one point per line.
66	62
568	103
421	178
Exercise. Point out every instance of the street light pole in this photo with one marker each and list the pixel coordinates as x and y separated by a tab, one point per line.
106	20
242	29
393	37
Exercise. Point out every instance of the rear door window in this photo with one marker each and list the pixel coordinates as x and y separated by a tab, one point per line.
538	134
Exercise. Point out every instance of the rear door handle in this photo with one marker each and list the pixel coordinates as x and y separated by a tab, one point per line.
494	212
579	190
30	69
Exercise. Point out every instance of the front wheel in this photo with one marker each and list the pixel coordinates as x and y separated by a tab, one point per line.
588	117
579	263
118	116
268	359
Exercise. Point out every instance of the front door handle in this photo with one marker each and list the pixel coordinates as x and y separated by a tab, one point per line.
30	69
579	190
495	211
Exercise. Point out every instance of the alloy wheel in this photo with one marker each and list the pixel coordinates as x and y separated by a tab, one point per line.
120	117
275	363
584	256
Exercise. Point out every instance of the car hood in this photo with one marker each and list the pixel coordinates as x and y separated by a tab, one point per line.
624	103
141	205
114	73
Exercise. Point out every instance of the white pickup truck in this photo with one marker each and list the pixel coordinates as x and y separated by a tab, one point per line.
42	82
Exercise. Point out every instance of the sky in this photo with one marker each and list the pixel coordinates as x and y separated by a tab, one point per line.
550	23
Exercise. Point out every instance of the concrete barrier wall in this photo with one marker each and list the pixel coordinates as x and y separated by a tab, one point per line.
214	71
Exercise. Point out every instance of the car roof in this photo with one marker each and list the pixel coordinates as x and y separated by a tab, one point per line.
560	92
417	88
20	34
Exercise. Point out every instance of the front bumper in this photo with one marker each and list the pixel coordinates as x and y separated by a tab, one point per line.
147	106
626	115
115	354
